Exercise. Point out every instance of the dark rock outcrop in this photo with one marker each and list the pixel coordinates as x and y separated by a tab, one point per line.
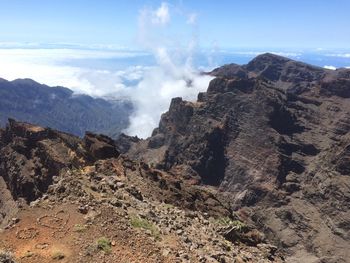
274	135
30	156
100	146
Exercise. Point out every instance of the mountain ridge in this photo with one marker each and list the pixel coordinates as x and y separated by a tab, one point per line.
58	107
274	134
61	193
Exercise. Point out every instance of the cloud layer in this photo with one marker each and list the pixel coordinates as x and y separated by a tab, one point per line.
53	67
150	88
173	75
330	67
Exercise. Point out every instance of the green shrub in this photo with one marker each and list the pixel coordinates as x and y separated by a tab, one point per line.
79	228
235	224
104	244
224	221
145	224
168	206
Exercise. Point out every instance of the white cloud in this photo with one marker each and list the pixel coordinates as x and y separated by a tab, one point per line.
52	67
330	67
256	53
172	76
150	88
161	15
341	55
154	92
192	19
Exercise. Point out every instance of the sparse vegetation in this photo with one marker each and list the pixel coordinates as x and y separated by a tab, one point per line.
79	228
235	224
168	206
28	254
104	244
138	222
58	255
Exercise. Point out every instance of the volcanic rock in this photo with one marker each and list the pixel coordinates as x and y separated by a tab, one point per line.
274	136
30	156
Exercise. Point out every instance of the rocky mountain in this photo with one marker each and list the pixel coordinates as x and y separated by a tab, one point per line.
274	137
67	199
57	107
256	170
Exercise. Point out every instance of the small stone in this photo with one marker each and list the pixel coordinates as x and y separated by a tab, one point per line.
15	220
115	202
179	232
120	184
83	209
166	252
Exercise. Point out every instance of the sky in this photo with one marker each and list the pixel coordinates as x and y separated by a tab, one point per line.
226	23
149	51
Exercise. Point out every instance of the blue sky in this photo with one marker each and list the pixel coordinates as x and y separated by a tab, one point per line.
248	23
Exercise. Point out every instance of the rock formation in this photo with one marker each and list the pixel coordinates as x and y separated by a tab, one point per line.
79	200
274	135
262	157
30	156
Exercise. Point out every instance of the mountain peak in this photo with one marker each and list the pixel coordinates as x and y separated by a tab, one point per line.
267	59
274	68
26	81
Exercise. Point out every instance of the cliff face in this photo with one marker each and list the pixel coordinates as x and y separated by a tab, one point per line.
275	135
30	156
62	194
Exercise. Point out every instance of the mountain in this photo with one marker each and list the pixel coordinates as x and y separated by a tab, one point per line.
67	199
59	108
256	170
274	137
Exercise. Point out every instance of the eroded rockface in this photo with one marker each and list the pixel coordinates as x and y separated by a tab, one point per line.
274	136
82	189
30	156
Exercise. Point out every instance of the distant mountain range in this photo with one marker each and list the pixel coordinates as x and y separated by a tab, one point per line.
59	108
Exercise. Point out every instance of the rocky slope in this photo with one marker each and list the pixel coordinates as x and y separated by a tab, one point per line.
274	136
66	199
57	107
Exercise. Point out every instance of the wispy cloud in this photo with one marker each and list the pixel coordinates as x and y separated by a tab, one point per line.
330	67
161	15
340	55
256	53
192	18
172	76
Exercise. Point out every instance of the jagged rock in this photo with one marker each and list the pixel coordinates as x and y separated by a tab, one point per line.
274	134
124	142
100	146
30	156
133	207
